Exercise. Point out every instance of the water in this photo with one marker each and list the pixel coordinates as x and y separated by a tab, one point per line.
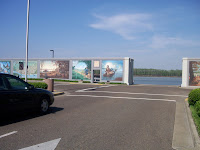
158	80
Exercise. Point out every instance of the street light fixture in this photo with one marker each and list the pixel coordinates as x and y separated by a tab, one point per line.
52	53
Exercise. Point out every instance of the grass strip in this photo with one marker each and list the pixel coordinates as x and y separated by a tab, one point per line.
39	85
101	83
116	83
196	118
33	79
65	80
86	82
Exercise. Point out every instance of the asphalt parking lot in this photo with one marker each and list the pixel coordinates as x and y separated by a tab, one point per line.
99	117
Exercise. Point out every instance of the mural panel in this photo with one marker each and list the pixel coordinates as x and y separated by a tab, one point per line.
54	69
32	69
81	69
112	70
194	70
5	67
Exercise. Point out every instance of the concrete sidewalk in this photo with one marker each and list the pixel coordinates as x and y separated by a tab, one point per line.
185	136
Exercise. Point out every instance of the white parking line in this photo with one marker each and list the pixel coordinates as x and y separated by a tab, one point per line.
8	134
94	88
131	93
167	100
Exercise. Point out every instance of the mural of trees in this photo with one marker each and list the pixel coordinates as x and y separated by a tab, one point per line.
81	69
54	69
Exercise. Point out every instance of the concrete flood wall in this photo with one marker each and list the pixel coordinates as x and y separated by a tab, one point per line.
110	69
191	72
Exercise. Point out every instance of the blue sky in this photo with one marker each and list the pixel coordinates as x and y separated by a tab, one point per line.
156	33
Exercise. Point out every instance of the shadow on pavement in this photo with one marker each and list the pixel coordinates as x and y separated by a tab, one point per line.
7	119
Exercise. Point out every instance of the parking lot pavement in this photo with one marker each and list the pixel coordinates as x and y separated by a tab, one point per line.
100	117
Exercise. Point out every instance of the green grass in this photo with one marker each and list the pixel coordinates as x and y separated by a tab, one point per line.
116	83
196	118
39	85
101	83
33	79
60	80
111	83
86	82
54	80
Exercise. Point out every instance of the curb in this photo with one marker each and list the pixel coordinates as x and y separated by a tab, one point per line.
57	93
193	129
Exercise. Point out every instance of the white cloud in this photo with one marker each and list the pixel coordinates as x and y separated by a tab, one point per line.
126	25
164	42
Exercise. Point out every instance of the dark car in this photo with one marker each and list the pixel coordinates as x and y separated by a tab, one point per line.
17	95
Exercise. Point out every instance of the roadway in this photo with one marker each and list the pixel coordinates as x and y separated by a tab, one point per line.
99	117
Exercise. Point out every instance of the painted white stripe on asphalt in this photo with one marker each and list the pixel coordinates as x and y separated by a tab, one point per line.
82	90
168	100
50	145
7	134
132	93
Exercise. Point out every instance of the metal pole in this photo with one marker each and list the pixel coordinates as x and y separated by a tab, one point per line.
27	28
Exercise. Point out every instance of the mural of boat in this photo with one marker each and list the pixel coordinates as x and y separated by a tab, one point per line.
109	73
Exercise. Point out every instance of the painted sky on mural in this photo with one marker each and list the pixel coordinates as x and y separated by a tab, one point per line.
157	34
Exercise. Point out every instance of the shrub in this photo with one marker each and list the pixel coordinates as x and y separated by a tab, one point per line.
194	96
65	80
73	81
39	85
33	79
197	108
86	82
101	83
196	118
116	83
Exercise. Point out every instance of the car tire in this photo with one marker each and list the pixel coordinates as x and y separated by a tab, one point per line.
44	105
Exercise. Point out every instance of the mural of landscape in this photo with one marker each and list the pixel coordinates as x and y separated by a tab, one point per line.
194	70
5	67
112	70
32	69
81	69
54	69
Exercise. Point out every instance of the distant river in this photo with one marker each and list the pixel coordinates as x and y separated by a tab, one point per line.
158	80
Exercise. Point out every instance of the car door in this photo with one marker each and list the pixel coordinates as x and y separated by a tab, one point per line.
19	95
3	95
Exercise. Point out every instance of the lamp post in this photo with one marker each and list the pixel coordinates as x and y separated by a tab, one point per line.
27	28
52	53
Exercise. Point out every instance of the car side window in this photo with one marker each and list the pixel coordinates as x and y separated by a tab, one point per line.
2	84
16	83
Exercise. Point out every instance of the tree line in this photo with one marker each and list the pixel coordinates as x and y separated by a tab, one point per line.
157	72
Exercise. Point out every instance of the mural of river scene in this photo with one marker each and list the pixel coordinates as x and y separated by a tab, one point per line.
32	69
5	67
112	70
81	69
194	70
54	69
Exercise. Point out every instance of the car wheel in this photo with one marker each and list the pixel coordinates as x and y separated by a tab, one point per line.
44	105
